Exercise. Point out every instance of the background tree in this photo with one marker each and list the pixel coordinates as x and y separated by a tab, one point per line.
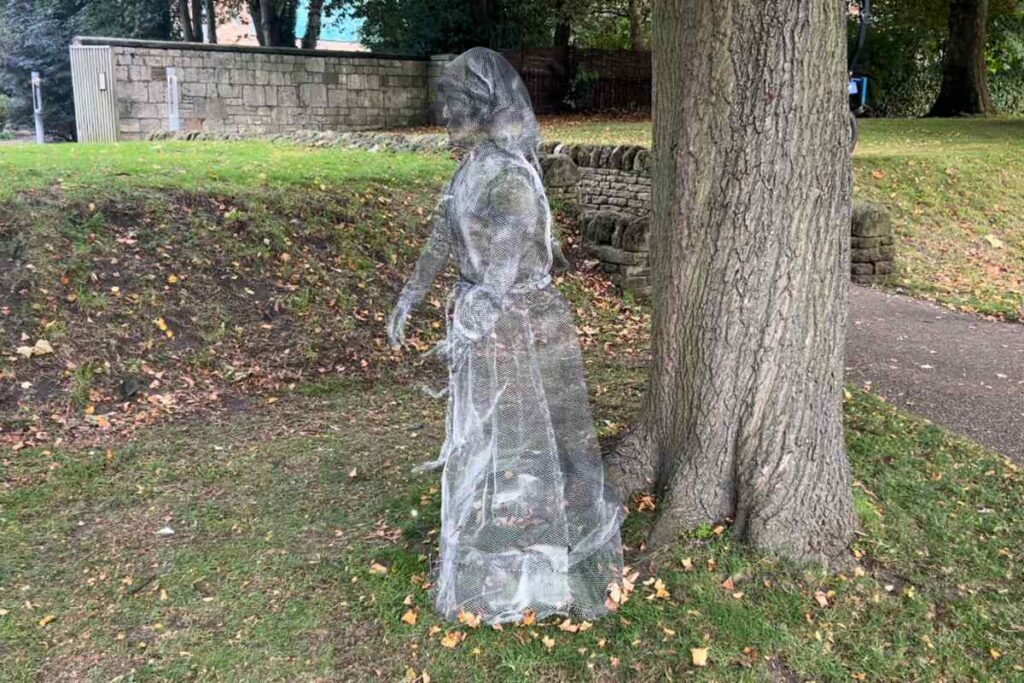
35	34
964	68
314	21
274	21
751	205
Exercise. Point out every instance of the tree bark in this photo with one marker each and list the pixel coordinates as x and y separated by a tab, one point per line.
185	15
197	20
964	71
256	14
312	35
750	226
636	25
211	21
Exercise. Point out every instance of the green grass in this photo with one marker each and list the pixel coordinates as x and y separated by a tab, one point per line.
956	192
280	513
210	167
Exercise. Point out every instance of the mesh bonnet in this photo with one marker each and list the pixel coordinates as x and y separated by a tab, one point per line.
485	99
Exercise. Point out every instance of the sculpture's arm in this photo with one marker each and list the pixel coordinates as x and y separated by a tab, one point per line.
432	259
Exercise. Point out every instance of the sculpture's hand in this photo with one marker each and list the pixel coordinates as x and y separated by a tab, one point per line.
396	323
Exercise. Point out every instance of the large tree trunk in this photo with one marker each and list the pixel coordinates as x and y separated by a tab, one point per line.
211	21
312	35
185	16
964	72
750	247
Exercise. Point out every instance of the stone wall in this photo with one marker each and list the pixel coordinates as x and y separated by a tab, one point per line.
263	90
872	245
614	192
612	178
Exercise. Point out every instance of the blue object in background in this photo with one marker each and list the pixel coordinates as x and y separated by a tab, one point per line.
859	86
336	27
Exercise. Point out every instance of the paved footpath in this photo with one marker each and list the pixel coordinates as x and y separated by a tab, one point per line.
956	369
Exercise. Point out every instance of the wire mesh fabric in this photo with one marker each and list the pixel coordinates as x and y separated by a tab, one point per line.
527	521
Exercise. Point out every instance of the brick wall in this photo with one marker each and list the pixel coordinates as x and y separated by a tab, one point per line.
263	90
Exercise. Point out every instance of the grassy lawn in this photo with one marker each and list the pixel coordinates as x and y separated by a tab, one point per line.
300	541
208	476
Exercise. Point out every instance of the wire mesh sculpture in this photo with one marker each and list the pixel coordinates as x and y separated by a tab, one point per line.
528	523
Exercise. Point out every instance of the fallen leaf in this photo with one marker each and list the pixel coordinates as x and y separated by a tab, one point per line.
529	618
410	617
378	568
469	619
821	599
687	564
994	241
452	638
47	619
567	625
548	641
699	655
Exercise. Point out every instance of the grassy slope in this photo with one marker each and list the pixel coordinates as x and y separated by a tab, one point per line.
956	190
280	509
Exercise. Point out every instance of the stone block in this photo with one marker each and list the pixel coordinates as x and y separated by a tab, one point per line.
634	235
870	219
313	94
608	254
862	268
253	96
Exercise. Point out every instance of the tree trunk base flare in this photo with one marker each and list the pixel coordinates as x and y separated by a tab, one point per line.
750	208
630	467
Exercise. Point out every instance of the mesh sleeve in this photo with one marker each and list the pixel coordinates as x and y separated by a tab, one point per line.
433	257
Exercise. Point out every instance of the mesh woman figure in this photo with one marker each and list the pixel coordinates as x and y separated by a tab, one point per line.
527	522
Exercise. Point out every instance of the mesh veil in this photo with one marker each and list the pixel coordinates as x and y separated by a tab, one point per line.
527	522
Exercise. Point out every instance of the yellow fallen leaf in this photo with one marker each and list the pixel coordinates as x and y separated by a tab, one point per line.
410	617
821	599
172	279
994	653
161	324
47	619
567	625
452	638
548	641
687	564
378	568
42	348
469	619
994	241
529	618
699	656
659	591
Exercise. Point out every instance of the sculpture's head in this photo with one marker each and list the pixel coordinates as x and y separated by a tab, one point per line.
484	99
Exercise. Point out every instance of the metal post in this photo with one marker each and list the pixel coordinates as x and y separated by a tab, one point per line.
37	106
173	117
